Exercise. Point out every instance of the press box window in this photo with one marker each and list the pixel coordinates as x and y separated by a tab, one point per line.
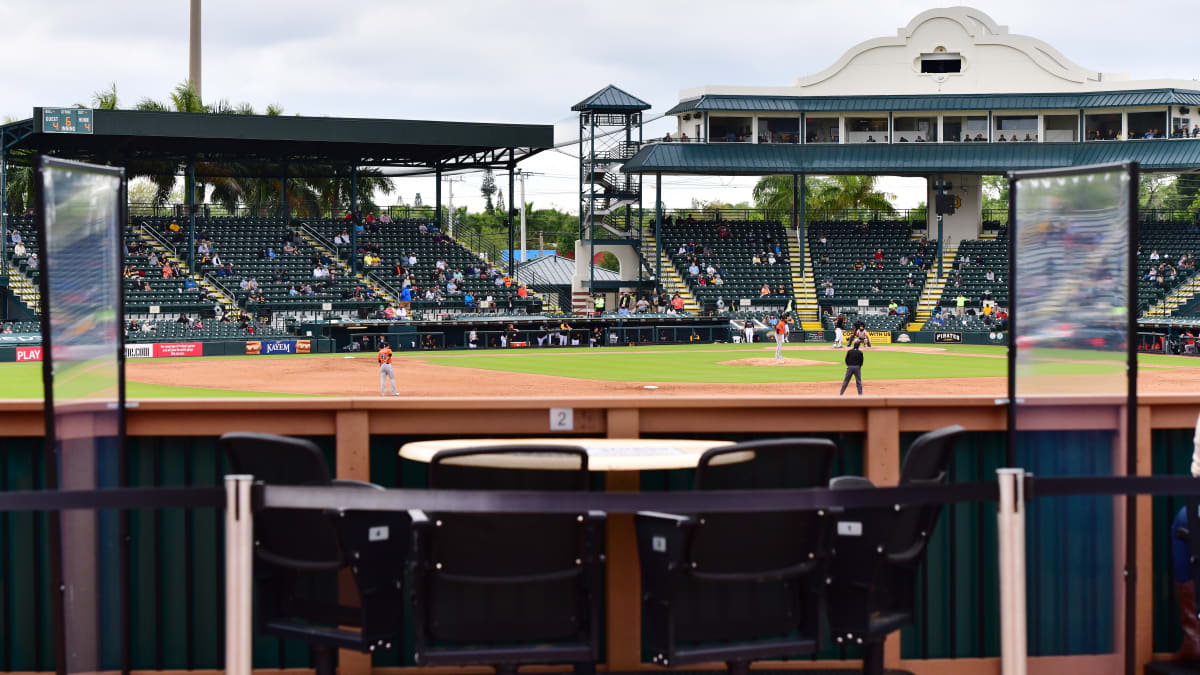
941	63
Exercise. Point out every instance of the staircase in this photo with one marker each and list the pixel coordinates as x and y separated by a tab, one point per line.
671	282
343	269
804	291
165	253
934	284
1176	298
24	288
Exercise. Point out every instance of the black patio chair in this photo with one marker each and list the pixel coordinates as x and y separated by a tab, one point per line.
877	552
301	554
737	587
507	589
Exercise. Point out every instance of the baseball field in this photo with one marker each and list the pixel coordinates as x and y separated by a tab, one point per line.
683	370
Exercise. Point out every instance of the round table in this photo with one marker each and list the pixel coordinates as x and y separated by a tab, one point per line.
604	454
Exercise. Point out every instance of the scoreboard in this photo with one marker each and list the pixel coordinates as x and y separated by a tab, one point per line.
66	121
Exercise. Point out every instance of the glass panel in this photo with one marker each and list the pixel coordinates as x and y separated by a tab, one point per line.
1102	127
1181	127
866	130
965	128
730	129
1147	125
821	130
779	130
1011	128
915	129
1061	128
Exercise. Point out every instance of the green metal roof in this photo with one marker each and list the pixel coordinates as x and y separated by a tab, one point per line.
901	159
611	99
979	102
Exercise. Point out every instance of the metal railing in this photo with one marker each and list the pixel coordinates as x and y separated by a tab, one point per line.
213	210
147	229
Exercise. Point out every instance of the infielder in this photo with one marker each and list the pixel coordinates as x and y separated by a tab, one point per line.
748	331
780	335
385	369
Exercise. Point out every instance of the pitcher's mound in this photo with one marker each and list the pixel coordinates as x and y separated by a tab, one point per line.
773	362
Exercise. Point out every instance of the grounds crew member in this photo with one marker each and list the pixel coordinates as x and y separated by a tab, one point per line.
598	304
854	361
780	334
385	369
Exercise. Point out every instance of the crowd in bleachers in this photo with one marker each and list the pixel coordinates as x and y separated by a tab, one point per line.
877	261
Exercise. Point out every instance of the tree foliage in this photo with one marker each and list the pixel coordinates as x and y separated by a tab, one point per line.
827	194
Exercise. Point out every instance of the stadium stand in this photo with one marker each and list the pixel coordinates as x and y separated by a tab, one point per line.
23	276
731	247
896	278
968	276
390	242
199	330
1172	241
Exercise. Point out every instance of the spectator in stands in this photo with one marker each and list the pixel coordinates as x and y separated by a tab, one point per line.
765	291
936	320
1154	257
677	303
902	310
643	305
693	269
990	276
19	250
183	319
892	308
15	236
167	270
876	286
771	258
960	303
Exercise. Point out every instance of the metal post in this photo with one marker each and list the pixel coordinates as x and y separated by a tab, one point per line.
512	259
937	209
191	200
437	198
283	205
591	261
803	201
354	220
194	61
521	205
450	206
239	574
658	229
1010	525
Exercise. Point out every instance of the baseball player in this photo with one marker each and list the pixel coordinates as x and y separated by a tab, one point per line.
780	335
385	369
748	331
859	337
839	327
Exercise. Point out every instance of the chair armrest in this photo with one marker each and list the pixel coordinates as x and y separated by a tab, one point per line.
663	539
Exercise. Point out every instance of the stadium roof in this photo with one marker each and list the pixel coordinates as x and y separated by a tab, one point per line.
119	136
611	99
900	159
555	270
899	103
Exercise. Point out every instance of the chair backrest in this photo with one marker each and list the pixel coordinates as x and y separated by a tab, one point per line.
927	463
300	539
525	566
749	545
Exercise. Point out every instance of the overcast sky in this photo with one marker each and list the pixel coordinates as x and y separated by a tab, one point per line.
516	61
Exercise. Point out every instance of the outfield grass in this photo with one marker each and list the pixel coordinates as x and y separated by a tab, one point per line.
661	363
703	363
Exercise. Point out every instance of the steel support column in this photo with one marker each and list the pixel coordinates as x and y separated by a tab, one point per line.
512	258
591	261
658	229
801	205
938	210
437	198
283	205
354	220
191	202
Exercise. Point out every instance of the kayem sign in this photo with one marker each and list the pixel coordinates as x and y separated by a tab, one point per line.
279	347
29	353
139	351
178	349
947	337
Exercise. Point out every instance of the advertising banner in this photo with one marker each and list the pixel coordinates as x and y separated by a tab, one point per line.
12	339
880	337
947	337
278	346
178	349
253	347
139	351
29	353
303	346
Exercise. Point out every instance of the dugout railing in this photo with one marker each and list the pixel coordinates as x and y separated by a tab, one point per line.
172	443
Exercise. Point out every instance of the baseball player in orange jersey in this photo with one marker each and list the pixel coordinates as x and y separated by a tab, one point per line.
780	336
385	369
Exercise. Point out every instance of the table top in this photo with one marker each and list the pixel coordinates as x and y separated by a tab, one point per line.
604	454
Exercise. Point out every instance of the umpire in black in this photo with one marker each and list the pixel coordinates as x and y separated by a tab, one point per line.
854	361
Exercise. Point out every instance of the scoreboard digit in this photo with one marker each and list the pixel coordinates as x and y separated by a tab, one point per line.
66	121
